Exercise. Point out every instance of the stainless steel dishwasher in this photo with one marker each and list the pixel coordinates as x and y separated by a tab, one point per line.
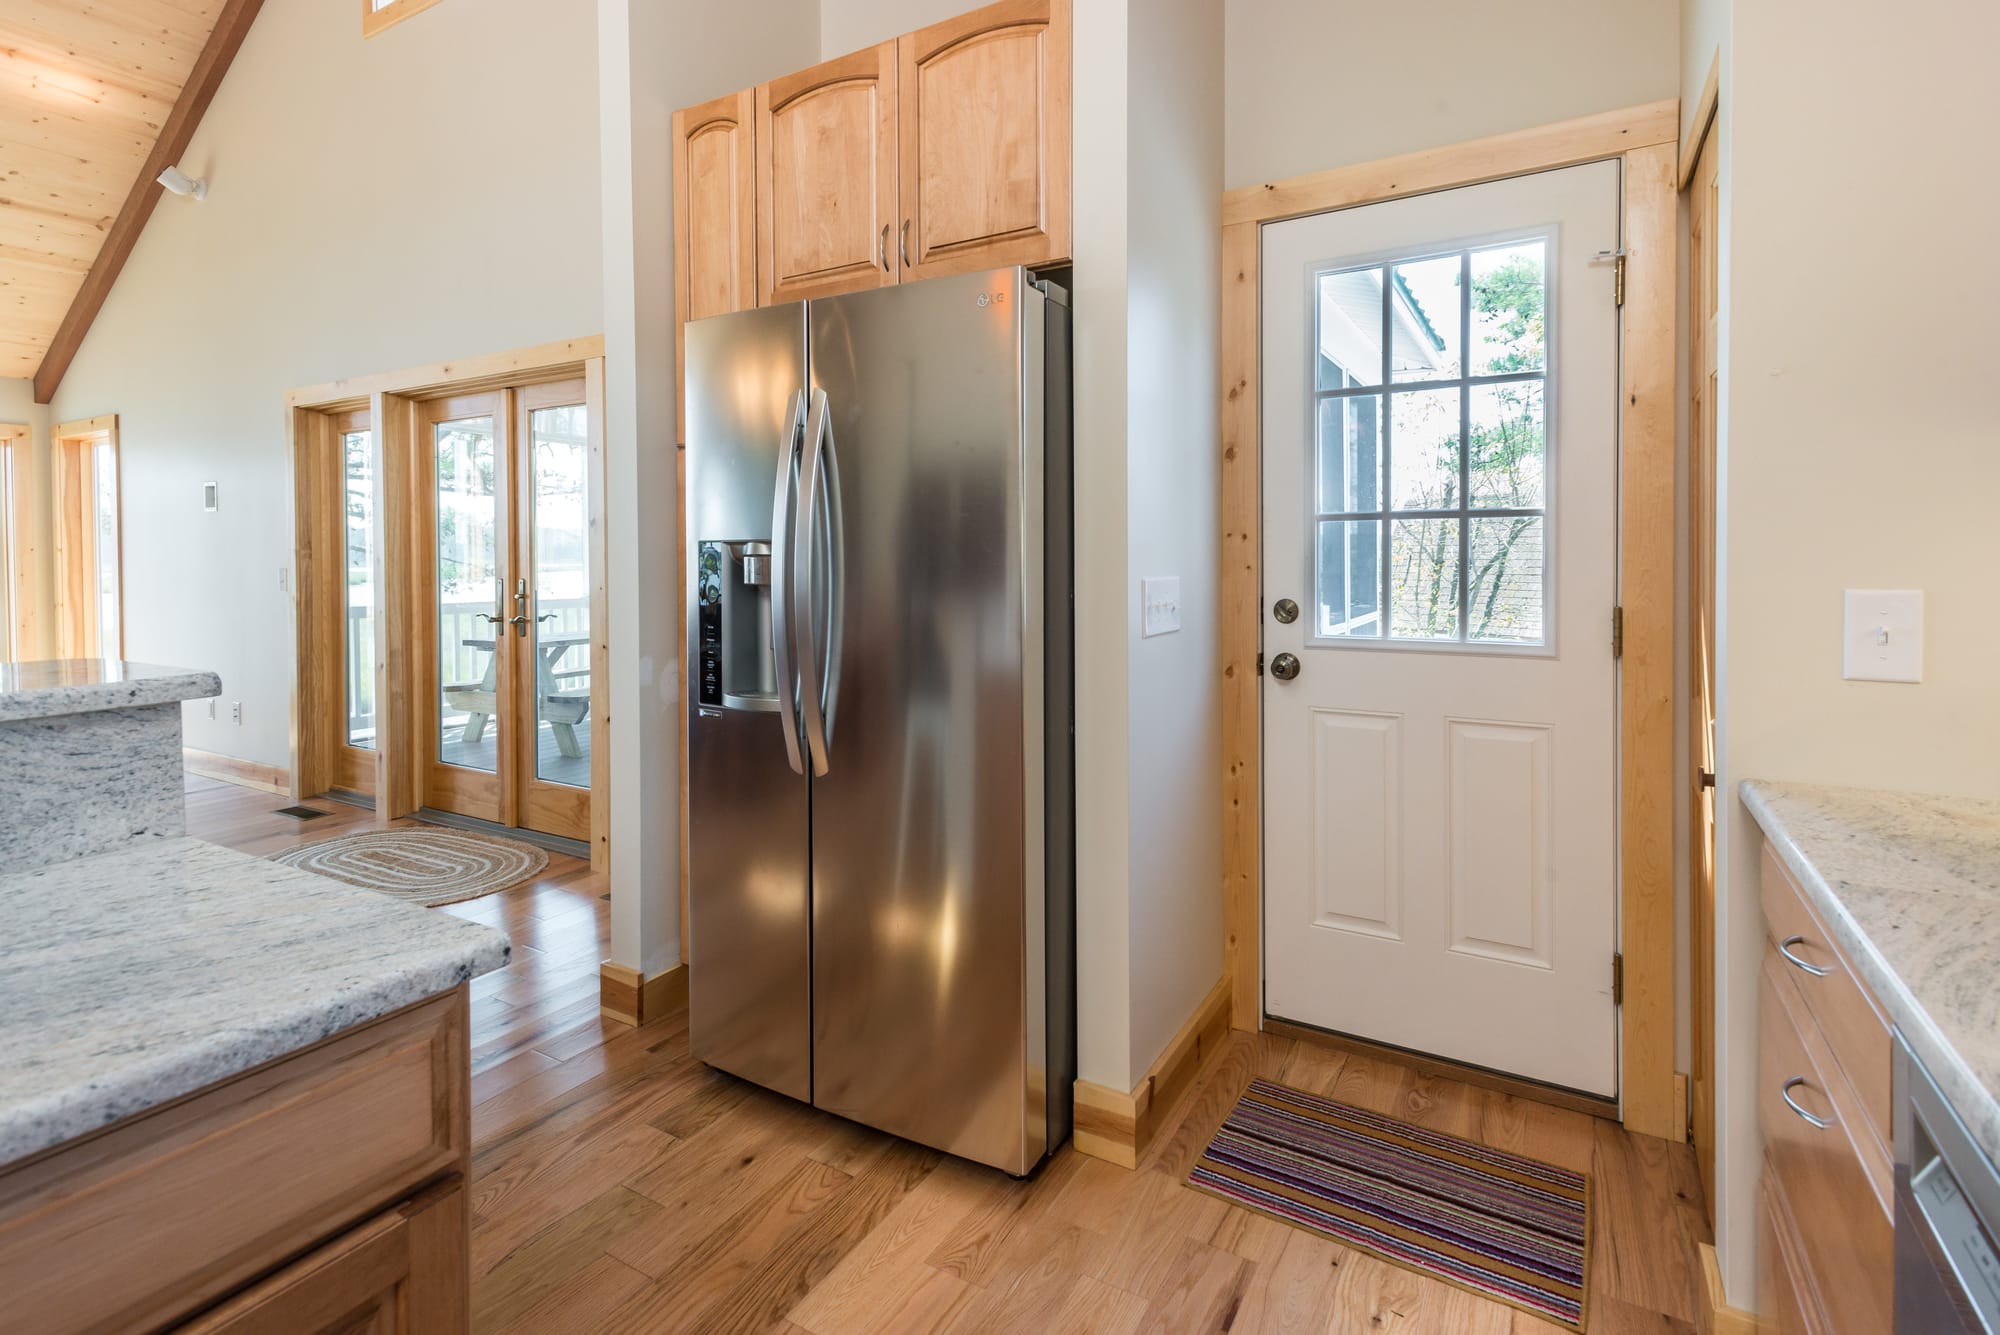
1947	1214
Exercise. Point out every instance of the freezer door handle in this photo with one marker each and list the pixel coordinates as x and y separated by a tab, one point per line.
783	507
819	664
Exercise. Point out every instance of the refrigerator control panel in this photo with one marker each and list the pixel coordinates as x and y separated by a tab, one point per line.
708	621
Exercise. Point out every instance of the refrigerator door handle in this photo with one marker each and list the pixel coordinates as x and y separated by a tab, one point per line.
819	664
783	505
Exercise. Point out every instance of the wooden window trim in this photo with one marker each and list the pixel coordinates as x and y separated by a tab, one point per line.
1646	139
15	444
73	536
374	20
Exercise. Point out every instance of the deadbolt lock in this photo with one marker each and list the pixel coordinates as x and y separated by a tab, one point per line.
1285	666
1285	610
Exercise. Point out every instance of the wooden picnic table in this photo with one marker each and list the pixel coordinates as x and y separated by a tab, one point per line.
561	709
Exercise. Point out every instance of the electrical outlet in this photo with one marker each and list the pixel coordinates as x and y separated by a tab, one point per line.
236	711
211	709
284	579
1160	601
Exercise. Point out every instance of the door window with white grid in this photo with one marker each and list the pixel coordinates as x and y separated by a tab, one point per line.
1432	447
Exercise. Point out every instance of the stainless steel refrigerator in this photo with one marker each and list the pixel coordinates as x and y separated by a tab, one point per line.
880	897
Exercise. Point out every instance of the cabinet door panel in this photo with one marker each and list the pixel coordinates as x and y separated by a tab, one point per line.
985	138
715	217
826	178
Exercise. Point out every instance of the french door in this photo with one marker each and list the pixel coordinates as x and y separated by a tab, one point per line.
1440	571
504	606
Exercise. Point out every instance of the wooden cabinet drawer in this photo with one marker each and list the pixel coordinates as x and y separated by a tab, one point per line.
1843	1229
400	1273
1781	1286
160	1215
1842	1007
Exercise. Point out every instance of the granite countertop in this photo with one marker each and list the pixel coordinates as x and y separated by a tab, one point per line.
83	685
1909	885
140	975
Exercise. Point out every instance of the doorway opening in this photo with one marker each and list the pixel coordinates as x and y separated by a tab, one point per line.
452	625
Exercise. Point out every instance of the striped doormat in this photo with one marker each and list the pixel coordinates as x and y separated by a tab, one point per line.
1512	1229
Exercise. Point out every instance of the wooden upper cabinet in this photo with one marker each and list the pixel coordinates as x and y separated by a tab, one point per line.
826	178
985	139
715	218
715	251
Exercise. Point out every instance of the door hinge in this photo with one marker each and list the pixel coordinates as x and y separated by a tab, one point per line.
1617	632
1618	283
1260	665
1618	979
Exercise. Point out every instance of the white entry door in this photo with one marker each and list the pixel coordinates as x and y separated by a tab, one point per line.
1440	571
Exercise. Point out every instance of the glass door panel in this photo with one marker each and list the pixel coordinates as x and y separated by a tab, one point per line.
471	628
559	545
357	467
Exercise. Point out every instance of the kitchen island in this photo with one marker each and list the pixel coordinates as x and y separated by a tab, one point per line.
235	1096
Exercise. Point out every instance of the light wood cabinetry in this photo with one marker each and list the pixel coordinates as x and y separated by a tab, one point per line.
1826	1239
984	109
326	1154
715	200
826	178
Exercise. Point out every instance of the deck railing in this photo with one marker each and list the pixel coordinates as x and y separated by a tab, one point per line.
458	661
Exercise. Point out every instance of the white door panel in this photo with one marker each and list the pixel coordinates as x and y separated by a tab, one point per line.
1440	500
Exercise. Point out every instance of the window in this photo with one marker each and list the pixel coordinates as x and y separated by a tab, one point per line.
1432	448
13	449
357	470
84	485
379	14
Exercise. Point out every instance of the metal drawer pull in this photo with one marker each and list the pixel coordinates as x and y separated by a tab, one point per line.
1784	948
1786	1094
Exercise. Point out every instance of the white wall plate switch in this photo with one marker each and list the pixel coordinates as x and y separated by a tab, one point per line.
1161	601
1883	635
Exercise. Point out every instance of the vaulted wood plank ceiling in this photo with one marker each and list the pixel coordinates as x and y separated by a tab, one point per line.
85	87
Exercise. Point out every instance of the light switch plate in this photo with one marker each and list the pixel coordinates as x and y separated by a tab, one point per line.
1883	635
1161	601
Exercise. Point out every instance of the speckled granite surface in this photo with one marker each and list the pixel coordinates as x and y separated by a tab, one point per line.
80	685
137	976
1910	886
90	756
76	784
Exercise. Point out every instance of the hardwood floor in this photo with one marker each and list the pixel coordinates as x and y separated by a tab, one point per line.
621	1186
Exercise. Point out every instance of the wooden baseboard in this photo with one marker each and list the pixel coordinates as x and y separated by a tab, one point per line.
624	995
243	773
1716	1316
1553	1095
1119	1127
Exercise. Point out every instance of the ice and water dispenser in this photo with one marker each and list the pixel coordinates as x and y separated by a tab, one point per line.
734	619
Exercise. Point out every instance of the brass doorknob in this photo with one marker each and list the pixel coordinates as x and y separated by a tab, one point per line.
1285	666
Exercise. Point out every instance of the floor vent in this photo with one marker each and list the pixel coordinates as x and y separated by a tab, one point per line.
302	813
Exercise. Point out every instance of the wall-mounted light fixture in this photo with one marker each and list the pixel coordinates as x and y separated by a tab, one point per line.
180	183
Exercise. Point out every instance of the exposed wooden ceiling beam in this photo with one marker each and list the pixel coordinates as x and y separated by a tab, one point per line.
231	25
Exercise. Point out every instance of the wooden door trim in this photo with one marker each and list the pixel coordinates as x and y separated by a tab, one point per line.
1644	140
1567	143
1705	108
22	561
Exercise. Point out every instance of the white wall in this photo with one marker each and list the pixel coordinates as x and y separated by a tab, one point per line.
656	57
1315	84
1860	449
425	194
1173	513
18	408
